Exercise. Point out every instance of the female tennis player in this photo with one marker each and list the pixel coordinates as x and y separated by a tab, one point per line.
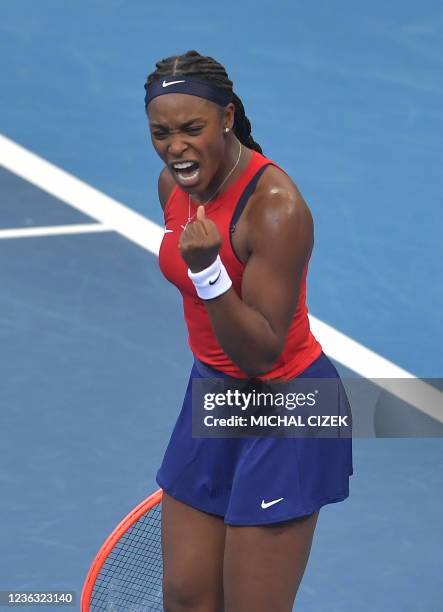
238	514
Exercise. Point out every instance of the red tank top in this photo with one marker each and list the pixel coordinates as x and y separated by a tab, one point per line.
300	349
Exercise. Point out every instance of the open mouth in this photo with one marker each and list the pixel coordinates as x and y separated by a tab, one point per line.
186	172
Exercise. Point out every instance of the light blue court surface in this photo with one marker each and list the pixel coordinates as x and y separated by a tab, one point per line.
348	99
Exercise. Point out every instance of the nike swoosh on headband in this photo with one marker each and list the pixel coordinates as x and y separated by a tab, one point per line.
165	84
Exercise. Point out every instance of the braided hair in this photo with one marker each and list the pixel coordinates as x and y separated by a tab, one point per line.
207	69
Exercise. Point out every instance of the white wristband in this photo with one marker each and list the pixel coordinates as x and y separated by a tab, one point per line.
212	281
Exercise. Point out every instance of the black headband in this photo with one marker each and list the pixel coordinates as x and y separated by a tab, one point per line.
190	85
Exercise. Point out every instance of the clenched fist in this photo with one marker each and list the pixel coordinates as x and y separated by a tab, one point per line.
200	242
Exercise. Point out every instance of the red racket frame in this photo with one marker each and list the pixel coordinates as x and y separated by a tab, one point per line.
111	541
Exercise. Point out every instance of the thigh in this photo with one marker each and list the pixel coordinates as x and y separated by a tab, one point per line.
192	546
264	565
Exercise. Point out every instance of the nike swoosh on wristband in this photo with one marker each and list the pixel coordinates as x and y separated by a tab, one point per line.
215	280
167	231
265	505
164	84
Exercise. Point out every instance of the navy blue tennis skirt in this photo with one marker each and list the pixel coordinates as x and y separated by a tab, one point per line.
255	480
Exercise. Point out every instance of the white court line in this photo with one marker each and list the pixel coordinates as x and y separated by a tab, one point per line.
79	195
370	365
53	230
148	235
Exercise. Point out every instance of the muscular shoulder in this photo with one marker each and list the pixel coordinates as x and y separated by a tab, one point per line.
165	186
278	209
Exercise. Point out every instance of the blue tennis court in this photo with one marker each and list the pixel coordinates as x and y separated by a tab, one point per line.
94	357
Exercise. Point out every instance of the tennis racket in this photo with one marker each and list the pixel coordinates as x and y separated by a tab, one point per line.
127	572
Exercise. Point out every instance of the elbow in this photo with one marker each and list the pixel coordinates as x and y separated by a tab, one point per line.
260	362
256	372
259	369
261	365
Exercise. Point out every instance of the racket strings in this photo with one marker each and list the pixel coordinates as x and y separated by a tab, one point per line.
131	577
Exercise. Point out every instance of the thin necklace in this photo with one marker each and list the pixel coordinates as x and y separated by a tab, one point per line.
215	192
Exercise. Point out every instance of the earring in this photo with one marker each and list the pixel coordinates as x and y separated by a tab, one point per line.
226	130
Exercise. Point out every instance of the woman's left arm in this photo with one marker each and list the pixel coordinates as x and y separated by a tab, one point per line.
252	330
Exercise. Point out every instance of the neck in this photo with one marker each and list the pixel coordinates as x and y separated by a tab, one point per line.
230	163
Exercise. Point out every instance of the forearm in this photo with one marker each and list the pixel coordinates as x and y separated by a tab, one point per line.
243	333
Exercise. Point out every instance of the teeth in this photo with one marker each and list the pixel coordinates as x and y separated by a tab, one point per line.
183	165
187	178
